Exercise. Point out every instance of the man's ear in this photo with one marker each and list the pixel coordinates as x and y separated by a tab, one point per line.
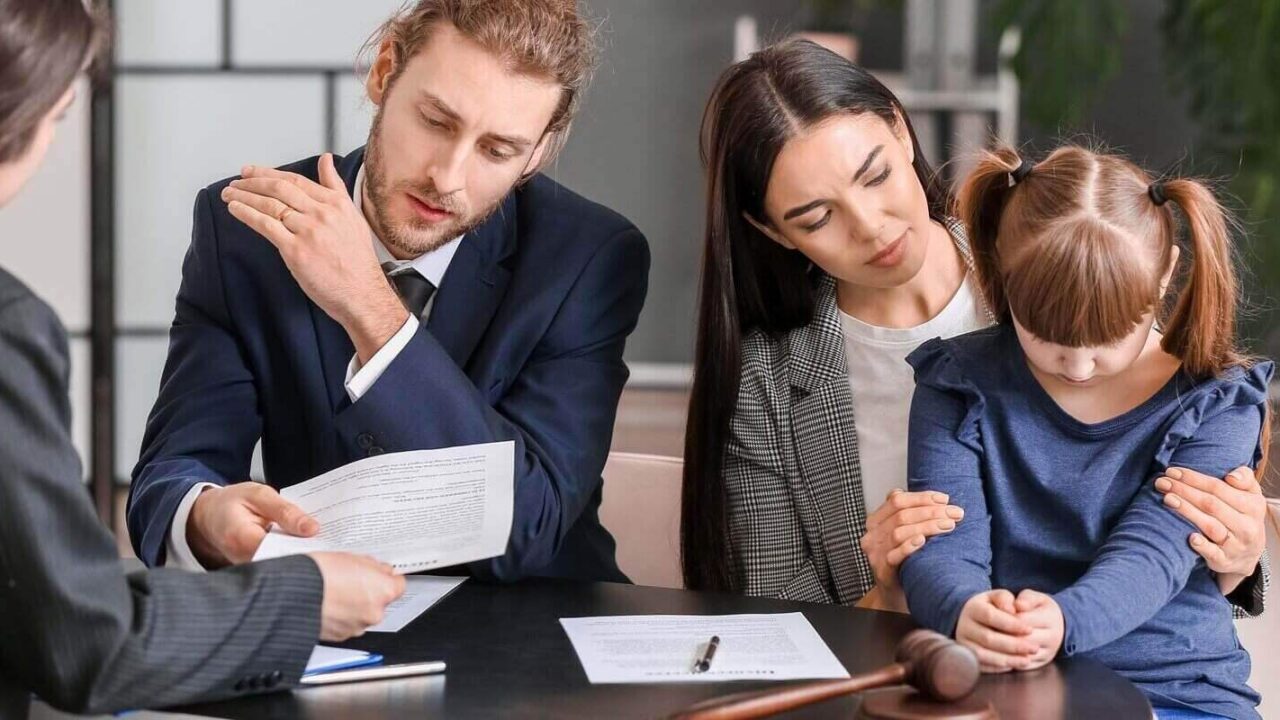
769	232
380	74
899	129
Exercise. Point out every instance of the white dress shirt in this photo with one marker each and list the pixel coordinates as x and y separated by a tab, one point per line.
359	379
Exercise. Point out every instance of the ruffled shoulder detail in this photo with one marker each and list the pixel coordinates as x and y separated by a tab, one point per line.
1237	387
938	366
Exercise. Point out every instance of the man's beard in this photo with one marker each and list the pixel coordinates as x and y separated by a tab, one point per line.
416	237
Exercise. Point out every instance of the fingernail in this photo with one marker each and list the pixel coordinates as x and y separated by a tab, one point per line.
1197	540
246	169
955	513
1172	501
946	524
1164	484
917	541
1174	473
940	498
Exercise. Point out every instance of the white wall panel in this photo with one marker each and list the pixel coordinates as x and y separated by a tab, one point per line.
139	364
81	399
44	231
168	32
353	114
177	134
304	32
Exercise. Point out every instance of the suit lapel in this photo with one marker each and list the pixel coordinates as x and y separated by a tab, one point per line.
474	284
822	423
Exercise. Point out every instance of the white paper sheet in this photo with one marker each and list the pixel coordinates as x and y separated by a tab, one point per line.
420	593
664	648
325	658
414	510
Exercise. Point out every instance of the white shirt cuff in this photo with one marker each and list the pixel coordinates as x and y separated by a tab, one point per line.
178	553
360	379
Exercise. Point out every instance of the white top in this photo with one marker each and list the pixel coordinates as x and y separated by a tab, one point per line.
431	266
883	383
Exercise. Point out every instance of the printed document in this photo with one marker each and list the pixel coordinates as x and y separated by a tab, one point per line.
666	648
413	510
420	593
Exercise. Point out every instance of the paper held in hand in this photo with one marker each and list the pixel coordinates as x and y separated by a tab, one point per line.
414	510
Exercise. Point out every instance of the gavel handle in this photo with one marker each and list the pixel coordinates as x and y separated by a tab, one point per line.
770	702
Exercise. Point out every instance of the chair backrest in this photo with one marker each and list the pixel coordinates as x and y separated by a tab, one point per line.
1258	635
641	509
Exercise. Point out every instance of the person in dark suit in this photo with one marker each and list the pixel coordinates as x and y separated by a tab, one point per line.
74	629
429	290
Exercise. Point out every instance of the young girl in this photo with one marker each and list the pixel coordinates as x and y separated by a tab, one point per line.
1054	428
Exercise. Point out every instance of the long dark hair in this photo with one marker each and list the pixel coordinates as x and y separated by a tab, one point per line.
44	45
749	282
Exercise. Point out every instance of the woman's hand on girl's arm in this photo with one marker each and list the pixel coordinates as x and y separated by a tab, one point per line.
1230	515
990	626
899	527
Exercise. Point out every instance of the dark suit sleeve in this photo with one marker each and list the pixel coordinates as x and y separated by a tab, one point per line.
73	628
559	409
205	422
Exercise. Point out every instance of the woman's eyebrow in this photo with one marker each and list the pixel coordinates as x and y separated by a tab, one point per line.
801	209
871	157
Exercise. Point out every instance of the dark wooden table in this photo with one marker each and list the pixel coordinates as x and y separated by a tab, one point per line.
508	657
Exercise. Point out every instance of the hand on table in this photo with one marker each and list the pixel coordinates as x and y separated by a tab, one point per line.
1011	633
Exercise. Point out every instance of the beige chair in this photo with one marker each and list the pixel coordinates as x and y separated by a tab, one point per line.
1261	636
641	508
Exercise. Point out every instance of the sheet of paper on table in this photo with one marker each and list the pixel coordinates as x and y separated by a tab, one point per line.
420	593
664	648
413	510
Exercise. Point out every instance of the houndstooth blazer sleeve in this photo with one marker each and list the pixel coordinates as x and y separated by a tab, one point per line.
1250	599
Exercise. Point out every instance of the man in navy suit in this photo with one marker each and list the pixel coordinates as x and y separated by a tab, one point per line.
429	290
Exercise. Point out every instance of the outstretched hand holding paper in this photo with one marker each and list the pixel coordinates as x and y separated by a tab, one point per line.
413	510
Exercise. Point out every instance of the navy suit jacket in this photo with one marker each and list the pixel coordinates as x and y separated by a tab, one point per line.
524	343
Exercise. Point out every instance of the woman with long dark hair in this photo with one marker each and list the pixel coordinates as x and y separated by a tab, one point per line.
829	256
74	630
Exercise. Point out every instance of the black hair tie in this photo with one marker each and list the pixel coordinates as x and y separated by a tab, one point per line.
1156	192
1019	173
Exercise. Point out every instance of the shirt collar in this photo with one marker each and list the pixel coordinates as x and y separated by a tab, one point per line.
431	265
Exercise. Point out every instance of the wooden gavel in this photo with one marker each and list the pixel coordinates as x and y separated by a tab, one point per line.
933	664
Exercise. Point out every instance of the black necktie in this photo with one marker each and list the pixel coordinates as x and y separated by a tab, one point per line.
415	291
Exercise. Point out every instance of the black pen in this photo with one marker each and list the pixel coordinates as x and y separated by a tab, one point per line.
704	664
